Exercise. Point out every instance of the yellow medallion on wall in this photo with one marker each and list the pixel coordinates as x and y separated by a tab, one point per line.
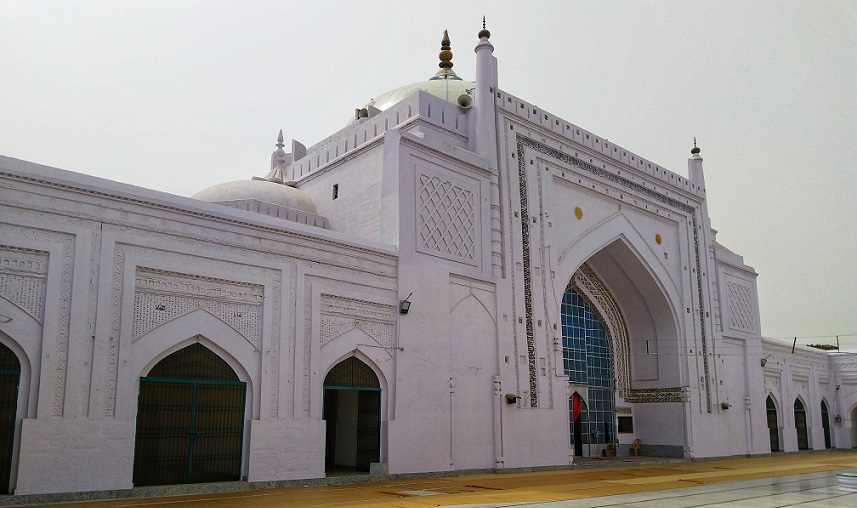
658	238
578	213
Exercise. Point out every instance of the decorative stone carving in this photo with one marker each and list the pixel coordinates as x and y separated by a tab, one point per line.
340	315
446	216
60	353
740	306
23	279
162	296
528	282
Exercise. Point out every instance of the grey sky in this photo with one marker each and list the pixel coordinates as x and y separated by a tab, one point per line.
176	96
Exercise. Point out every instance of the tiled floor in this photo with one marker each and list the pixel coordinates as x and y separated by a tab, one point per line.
806	490
806	479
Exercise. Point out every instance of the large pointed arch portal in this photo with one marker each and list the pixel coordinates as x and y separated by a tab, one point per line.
190	420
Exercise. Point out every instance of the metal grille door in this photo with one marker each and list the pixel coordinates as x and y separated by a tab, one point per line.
190	426
368	428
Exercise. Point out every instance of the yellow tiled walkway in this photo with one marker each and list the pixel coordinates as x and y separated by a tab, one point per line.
508	488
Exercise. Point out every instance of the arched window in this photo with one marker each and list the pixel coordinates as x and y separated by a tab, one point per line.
800	426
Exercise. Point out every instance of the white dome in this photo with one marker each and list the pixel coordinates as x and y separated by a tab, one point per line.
259	190
447	89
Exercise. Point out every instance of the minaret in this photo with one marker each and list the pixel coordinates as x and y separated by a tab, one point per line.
694	167
483	136
485	125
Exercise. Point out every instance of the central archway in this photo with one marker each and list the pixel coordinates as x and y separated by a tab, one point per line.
352	412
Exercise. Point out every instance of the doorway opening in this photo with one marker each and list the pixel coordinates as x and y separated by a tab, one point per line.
190	420
800	426
773	427
825	424
587	361
10	376
352	414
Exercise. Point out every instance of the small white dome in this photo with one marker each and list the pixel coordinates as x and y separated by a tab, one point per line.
447	89
259	190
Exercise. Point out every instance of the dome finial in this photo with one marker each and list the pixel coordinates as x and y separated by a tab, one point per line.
695	150
280	139
484	32
445	52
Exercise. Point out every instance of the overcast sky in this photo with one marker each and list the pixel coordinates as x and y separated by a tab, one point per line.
177	96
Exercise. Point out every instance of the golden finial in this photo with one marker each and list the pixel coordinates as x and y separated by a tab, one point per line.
445	52
484	32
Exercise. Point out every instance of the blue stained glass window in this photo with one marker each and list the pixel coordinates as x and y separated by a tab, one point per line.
586	360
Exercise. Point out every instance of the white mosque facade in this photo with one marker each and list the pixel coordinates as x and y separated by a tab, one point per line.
457	280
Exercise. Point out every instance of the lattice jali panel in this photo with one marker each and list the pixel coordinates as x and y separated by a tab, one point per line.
162	296
23	279
740	306
446	218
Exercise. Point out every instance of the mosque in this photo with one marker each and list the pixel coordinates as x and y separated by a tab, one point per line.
455	280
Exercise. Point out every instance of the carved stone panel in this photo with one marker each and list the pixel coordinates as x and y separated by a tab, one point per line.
340	315
740	306
161	296
446	218
23	279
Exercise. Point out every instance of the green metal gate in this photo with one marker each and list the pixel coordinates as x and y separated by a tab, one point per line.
10	376
190	425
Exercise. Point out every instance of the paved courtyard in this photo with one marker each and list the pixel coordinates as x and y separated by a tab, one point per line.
805	479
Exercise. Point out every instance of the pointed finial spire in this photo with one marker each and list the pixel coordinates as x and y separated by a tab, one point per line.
445	52
484	32
280	154
695	150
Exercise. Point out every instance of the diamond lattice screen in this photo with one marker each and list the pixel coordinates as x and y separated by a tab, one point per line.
446	218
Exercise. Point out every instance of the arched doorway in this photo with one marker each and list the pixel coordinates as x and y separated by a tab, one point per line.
587	362
10	375
352	412
800	426
825	424
853	419
773	426
579	425
190	420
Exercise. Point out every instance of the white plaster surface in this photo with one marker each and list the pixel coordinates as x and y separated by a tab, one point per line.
75	455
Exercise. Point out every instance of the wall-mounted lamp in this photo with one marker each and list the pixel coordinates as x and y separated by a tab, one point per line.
725	405
838	419
511	398
405	305
764	361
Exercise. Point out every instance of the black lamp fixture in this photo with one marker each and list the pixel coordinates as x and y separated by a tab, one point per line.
405	305
838	419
